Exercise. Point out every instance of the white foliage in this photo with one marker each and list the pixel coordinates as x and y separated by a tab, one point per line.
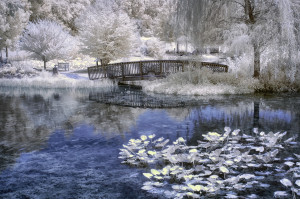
153	17
63	12
202	82
106	32
155	48
14	15
46	40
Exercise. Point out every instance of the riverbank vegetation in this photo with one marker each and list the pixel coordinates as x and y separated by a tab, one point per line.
259	41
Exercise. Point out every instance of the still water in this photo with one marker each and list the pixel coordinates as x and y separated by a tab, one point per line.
65	143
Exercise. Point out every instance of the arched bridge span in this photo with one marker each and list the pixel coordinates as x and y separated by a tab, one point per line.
144	70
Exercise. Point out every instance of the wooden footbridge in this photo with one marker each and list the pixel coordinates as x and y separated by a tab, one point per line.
145	70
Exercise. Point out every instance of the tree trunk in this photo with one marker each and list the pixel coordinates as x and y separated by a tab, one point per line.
45	65
256	115
256	61
249	12
6	50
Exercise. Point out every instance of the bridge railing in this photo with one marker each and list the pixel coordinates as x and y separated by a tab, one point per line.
142	69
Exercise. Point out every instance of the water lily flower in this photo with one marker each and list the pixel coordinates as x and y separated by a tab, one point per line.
147	175
262	133
143	137
151	136
188	177
158	177
151	153
132	140
195	187
224	169
260	149
212	136
238	159
247	176
279	194
255	130
141	151
165	171
147	187
181	139
290	164
193	151
155	172
229	162
227	129
213	176
286	182
236	132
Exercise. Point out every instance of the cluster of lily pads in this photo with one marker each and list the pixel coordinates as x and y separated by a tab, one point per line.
221	165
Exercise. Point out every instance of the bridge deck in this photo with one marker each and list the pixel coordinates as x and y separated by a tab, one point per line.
142	70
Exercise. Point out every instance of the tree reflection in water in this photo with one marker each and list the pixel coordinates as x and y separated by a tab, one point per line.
28	120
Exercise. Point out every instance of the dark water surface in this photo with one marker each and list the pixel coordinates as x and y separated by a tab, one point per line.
65	144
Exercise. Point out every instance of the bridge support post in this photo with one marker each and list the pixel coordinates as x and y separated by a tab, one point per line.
123	73
160	68
141	70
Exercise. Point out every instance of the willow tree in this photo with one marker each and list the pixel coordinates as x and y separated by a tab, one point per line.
257	24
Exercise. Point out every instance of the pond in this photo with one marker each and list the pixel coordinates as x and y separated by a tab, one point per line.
66	143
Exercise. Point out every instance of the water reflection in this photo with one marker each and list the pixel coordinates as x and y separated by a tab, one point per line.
29	119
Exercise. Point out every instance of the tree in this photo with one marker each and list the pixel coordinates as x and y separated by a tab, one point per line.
256	24
46	40
14	15
63	12
153	17
106	32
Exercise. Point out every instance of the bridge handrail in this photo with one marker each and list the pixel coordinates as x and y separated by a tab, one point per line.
142	68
